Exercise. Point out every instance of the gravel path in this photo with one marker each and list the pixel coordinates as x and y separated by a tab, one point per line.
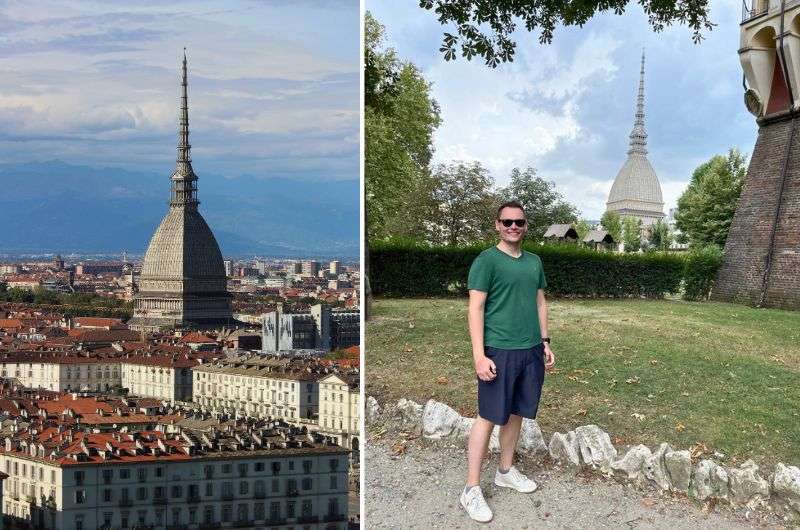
420	488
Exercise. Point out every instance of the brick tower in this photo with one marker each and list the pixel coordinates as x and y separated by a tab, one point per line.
761	265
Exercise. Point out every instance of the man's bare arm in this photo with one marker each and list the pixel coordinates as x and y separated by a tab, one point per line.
541	306
484	366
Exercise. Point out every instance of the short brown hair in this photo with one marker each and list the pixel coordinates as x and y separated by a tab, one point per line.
510	204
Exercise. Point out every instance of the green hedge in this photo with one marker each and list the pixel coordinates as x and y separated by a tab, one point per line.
407	269
700	270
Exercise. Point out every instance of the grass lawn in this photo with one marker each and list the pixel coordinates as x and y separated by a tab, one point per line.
721	375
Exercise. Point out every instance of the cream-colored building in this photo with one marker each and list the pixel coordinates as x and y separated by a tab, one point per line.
60	479
339	408
257	387
158	376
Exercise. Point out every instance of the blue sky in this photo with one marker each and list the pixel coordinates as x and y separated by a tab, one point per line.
273	86
567	108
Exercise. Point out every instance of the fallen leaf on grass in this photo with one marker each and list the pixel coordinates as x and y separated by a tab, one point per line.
581	412
410	325
632	380
654	361
638	416
408	349
399	448
698	449
685	394
680	427
442	380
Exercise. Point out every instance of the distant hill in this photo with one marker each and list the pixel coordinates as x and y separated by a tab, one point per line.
58	207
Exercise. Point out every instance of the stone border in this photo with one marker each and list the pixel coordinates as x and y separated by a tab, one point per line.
589	447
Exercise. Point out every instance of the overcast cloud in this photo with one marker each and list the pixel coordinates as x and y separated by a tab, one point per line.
273	86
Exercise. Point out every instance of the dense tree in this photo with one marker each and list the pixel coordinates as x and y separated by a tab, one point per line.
399	119
631	234
582	227
485	29
612	223
659	236
706	208
464	204
544	205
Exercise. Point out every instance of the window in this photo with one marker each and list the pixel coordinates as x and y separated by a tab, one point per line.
79	476
192	516
107	518
243	470
158	492
141	493
244	486
124	473
108	475
259	466
159	471
290	507
177	492
106	495
275	485
291	465
208	514
226	468
307	465
333	506
291	487
79	522
209	489
176	516
227	513
258	511
209	471
334	463
307	484
142	474
124	520
80	497
276	468
274	511
333	482
306	508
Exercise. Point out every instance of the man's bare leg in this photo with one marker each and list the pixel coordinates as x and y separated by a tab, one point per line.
476	449
509	435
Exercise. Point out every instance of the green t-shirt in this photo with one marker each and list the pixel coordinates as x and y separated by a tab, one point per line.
511	317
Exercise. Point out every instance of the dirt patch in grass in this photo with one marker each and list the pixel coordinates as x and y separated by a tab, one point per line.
715	376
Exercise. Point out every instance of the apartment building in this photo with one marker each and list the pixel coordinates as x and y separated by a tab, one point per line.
257	387
253	477
339	409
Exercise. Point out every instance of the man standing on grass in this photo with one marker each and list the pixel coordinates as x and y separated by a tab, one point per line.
508	329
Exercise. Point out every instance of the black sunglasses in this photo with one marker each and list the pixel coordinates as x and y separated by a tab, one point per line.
508	222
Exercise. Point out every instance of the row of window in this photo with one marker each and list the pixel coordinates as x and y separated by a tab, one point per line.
192	491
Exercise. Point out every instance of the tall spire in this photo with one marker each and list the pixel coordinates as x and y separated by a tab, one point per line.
184	181
638	135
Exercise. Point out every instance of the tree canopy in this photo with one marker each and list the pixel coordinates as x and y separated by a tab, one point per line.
706	208
632	234
464	204
544	205
485	29
400	116
612	223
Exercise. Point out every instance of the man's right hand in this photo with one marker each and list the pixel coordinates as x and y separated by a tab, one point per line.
485	369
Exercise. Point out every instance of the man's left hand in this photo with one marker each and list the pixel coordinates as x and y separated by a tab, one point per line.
549	358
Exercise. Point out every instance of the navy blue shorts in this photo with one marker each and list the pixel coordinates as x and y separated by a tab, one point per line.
517	386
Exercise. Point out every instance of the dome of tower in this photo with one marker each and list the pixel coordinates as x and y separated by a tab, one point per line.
636	181
183	246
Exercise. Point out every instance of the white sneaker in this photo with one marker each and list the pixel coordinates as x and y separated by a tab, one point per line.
515	480
473	502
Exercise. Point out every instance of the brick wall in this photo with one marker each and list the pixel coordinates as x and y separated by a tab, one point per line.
741	276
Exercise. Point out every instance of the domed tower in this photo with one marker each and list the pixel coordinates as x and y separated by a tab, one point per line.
636	191
182	283
761	264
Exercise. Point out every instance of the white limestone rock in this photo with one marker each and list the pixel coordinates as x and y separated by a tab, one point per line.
564	449
786	486
409	415
746	485
596	448
631	466
679	469
462	428
438	420
373	409
494	440
531	440
709	480
655	469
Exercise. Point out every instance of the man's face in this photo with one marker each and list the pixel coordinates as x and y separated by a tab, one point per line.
511	234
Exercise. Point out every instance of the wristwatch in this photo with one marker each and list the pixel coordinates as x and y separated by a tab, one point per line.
546	339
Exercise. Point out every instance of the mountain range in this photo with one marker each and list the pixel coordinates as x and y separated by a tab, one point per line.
58	207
